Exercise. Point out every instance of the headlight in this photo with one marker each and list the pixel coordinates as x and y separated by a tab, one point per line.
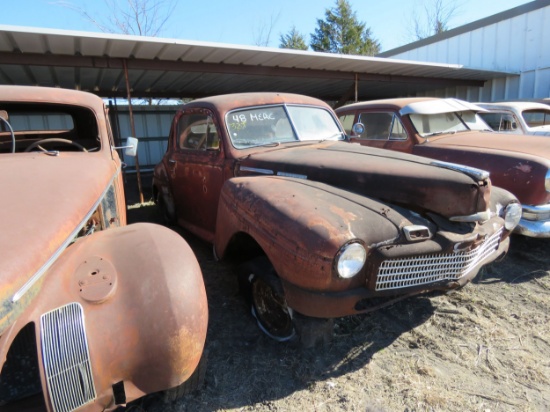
512	215
350	260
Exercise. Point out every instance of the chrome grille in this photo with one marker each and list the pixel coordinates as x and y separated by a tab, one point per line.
425	269
66	358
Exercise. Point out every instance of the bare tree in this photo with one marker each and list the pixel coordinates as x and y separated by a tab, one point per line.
435	18
262	33
136	17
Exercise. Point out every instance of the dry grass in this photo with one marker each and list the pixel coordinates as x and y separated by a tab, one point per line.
483	348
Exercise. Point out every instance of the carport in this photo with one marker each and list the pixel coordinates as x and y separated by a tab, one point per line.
161	68
121	66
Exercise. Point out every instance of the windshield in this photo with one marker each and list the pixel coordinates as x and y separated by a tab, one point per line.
451	122
273	125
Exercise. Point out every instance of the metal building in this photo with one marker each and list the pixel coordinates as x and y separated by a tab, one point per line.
515	41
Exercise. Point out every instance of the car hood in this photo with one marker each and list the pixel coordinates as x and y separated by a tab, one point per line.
46	199
393	177
517	163
526	144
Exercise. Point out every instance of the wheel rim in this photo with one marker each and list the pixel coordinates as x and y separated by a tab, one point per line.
270	310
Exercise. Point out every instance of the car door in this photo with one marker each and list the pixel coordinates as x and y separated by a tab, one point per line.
196	169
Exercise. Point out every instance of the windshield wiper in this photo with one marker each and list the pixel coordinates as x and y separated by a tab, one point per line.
434	134
272	144
332	136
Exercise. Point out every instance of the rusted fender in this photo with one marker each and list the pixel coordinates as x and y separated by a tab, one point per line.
301	224
144	303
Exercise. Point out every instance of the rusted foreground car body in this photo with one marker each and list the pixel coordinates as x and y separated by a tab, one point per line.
517	117
450	130
93	313
335	224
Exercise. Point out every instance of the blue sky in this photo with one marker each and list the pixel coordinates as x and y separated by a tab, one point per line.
243	21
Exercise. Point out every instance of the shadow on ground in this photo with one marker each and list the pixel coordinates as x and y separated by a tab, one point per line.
245	367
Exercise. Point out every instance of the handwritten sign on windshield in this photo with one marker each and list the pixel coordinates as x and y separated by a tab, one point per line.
253	117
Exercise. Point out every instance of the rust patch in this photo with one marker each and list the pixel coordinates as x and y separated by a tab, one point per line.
346	216
524	168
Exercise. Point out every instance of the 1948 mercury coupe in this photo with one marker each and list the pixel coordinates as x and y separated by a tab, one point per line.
322	227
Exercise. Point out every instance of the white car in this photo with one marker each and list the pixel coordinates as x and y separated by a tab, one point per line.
517	117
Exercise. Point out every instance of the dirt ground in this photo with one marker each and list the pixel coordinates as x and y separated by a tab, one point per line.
484	348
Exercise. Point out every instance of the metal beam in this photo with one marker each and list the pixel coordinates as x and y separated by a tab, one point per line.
30	59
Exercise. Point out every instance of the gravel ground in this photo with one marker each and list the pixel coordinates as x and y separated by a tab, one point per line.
484	348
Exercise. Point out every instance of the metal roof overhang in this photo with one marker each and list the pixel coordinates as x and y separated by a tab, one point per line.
162	68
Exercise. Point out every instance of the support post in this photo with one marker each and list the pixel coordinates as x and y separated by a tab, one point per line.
132	127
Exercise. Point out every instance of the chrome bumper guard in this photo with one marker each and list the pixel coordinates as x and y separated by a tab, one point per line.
427	269
535	221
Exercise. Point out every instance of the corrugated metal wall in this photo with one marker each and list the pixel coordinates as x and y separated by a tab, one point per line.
519	45
152	124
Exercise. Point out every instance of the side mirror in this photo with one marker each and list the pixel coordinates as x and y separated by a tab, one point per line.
130	146
358	129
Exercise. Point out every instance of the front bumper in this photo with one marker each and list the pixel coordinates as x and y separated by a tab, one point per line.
535	221
397	278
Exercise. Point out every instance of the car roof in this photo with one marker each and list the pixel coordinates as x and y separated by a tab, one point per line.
394	103
520	106
419	105
227	102
50	95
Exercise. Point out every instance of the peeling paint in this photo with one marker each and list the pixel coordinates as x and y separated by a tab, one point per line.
524	168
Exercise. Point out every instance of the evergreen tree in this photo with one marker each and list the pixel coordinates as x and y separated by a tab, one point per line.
342	33
293	40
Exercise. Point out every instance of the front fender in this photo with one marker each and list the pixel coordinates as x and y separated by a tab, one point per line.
500	198
144	303
301	225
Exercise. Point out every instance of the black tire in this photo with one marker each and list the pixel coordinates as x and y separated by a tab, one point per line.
265	295
167	217
194	383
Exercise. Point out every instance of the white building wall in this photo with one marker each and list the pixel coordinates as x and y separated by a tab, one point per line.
520	44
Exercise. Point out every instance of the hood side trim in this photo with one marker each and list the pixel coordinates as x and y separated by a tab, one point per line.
473	172
40	272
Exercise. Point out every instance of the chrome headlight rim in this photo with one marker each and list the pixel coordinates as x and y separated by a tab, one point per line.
350	259
512	215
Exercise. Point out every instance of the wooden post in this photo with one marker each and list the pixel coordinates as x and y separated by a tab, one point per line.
356	87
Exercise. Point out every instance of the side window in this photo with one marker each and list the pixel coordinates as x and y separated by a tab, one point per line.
536	118
398	132
197	131
347	122
499	122
377	125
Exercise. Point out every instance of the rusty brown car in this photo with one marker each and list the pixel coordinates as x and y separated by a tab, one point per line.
451	130
94	313
322	227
